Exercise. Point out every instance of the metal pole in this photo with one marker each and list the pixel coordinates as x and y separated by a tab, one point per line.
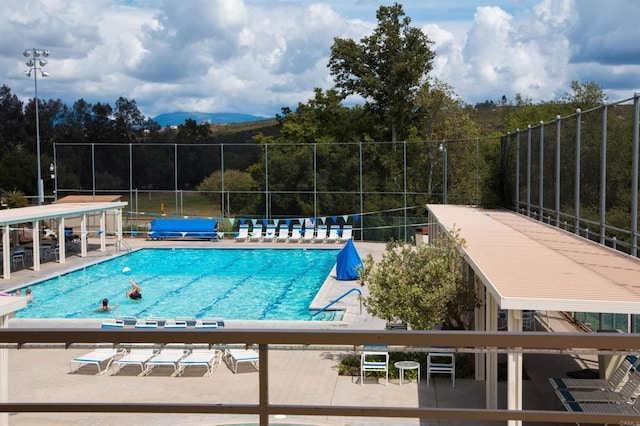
175	173
518	170
131	188
266	181
404	147
315	181
541	173
222	204
93	170
477	171
55	175
577	172
634	179
603	176
529	170
40	184
557	195
361	193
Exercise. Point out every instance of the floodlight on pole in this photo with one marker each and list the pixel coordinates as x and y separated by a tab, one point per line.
35	62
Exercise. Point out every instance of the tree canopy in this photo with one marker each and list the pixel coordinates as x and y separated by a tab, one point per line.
386	68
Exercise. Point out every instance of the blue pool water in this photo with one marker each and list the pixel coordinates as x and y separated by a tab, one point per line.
258	284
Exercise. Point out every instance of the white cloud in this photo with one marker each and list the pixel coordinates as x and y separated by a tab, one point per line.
255	56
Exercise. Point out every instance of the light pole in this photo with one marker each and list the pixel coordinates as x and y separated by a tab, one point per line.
443	149
35	64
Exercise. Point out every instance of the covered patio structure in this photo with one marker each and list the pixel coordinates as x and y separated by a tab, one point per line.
518	263
31	218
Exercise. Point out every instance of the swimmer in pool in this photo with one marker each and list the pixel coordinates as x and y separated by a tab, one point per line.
135	292
105	305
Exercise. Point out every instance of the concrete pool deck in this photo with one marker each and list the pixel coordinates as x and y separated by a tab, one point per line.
305	377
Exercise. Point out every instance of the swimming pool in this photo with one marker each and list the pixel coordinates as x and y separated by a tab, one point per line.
249	284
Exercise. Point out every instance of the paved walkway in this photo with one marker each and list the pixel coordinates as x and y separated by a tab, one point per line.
307	377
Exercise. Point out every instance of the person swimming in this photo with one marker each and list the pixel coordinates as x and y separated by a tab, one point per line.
135	292
105	305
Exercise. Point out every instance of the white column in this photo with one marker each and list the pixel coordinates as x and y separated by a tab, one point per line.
492	357
103	234
83	235
480	323
514	369
35	235
119	235
62	240
6	253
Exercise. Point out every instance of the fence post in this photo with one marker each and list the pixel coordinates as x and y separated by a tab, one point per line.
529	170
558	130
577	172
603	175
634	180
541	172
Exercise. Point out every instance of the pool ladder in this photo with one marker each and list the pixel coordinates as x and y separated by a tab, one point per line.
333	302
123	245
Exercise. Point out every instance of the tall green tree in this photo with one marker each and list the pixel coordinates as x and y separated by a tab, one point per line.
386	68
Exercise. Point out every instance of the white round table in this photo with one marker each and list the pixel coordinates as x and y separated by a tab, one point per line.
407	365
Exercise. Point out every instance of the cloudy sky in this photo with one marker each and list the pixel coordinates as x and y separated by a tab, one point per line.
255	56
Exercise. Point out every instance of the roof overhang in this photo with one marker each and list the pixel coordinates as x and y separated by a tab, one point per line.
527	264
55	211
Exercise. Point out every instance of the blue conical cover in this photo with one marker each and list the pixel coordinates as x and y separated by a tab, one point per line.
348	262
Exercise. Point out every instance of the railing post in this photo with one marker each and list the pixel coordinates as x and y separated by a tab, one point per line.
263	377
577	172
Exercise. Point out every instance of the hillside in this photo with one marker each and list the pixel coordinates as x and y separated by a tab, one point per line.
178	118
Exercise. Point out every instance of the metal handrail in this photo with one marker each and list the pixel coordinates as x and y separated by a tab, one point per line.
513	342
333	302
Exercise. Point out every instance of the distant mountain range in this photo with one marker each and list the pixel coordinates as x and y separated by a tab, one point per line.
178	118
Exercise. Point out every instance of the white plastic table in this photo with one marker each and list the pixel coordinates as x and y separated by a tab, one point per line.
407	365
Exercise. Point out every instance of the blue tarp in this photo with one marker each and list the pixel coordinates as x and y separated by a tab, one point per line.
348	262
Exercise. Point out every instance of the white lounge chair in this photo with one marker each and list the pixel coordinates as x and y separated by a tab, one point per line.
166	357
269	233
256	233
147	324
308	234
333	236
209	358
206	323
282	234
175	324
347	231
626	394
296	234
240	356
617	378
96	357
243	233
321	234
136	356
112	323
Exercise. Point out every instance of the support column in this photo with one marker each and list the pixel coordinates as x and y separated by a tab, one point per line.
492	357
6	253
4	374
62	240
83	235
35	235
103	231
514	368
480	325
119	234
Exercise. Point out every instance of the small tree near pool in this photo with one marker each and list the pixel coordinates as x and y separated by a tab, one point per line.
423	286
